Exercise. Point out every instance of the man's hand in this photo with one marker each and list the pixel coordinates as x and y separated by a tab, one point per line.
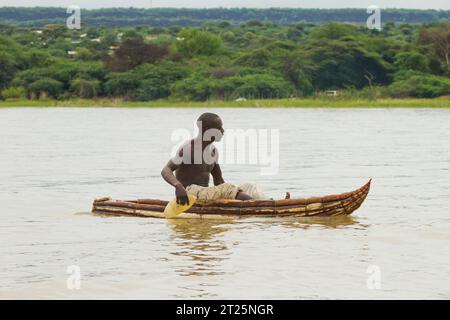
181	194
180	191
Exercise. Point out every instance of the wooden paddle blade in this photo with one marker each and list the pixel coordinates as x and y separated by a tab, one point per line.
174	209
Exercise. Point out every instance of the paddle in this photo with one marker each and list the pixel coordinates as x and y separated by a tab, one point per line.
173	209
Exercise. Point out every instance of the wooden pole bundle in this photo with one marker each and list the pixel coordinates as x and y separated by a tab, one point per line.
333	205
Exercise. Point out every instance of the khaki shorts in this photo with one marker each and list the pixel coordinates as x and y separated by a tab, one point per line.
222	191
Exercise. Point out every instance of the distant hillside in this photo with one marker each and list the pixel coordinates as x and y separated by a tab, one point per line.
118	17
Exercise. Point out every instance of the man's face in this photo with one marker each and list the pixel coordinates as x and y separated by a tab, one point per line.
214	129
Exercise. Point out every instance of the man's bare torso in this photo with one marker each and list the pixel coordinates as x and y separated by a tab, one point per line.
195	170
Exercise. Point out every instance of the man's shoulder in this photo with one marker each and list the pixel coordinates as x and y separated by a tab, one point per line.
215	153
186	146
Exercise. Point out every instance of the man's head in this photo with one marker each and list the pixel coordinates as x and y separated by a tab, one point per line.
211	124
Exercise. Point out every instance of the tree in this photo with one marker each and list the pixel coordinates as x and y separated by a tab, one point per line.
94	70
13	93
228	36
197	42
196	87
344	64
62	72
152	89
155	80
46	87
221	72
294	34
39	58
122	85
255	58
7	69
132	34
134	52
420	86
264	86
298	69
412	60
254	23
83	54
12	58
439	38
85	89
333	31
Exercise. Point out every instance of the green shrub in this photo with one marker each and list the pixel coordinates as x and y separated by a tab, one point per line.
196	87
122	85
197	42
225	89
151	89
155	80
7	68
412	61
13	93
253	86
255	58
46	88
264	86
85	89
420	86
62	72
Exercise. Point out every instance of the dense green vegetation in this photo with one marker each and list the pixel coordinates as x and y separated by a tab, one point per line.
225	61
163	17
324	102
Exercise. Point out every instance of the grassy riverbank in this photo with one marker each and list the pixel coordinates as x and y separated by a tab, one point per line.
442	102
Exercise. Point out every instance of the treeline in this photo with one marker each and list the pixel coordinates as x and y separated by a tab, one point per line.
162	17
253	60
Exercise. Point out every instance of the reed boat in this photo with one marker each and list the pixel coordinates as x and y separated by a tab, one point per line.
328	206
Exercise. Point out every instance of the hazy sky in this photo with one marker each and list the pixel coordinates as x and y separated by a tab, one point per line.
429	4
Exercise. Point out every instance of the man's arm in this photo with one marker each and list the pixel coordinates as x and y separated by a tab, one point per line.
169	177
167	173
216	171
217	175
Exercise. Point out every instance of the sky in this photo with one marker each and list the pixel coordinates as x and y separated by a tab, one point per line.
429	4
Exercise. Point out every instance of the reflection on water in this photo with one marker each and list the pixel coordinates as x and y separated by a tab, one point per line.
305	223
54	162
200	241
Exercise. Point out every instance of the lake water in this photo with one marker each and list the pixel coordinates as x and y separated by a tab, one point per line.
55	161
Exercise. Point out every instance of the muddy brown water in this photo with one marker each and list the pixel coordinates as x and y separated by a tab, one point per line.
55	161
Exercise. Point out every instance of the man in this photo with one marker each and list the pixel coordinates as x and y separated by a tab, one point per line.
195	161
